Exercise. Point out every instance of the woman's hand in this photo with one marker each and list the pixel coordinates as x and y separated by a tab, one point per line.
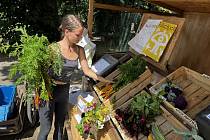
58	82
104	80
108	81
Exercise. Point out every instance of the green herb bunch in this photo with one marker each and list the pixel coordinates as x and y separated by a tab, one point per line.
93	119
140	112
130	72
34	59
146	105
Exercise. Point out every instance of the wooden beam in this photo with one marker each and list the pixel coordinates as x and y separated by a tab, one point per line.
179	12
93	4
90	18
119	8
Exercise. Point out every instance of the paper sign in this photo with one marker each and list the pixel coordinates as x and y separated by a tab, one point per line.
81	105
140	40
159	40
89	98
78	118
208	116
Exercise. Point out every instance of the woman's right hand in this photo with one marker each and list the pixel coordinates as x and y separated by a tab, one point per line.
58	82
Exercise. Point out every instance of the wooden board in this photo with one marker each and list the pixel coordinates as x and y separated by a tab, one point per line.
202	6
196	90
192	47
163	63
127	92
166	121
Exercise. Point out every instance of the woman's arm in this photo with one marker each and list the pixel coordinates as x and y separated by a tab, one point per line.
87	71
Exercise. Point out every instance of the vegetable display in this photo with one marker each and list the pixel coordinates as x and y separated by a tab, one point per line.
141	112
93	119
173	94
129	72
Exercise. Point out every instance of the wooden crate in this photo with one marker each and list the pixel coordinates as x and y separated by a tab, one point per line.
196	90
130	90
166	121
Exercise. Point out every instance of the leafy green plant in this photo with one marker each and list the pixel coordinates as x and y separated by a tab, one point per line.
141	111
93	119
34	59
130	72
146	105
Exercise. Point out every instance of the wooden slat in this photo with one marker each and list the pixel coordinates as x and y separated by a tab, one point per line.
179	79
165	128
90	18
159	120
176	123
202	6
171	77
198	79
173	136
192	113
190	89
184	84
132	93
144	76
196	98
120	8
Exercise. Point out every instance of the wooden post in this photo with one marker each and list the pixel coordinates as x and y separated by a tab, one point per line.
90	18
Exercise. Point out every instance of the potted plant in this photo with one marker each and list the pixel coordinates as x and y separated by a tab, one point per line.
93	119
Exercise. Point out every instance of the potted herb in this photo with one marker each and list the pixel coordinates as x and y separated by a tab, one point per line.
93	119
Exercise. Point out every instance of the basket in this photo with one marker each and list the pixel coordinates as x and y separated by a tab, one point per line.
7	95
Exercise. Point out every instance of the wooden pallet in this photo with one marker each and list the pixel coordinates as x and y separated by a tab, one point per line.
196	90
166	121
130	90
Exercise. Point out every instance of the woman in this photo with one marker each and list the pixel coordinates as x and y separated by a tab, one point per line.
71	29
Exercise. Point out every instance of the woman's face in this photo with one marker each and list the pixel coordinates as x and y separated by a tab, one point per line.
75	35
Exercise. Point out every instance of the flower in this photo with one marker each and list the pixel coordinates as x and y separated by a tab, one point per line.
93	118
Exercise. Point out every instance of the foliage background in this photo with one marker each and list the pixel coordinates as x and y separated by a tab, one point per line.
43	17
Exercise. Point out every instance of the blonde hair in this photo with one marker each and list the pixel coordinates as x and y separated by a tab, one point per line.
69	22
